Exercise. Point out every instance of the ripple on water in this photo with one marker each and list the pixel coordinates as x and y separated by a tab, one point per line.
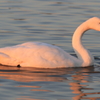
53	22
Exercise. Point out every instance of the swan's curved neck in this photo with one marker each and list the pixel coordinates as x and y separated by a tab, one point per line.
83	55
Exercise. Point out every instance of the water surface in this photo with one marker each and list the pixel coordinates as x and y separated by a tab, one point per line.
52	22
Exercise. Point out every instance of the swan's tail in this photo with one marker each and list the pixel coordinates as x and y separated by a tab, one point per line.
5	59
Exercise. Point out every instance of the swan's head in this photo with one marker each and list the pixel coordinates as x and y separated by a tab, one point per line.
94	23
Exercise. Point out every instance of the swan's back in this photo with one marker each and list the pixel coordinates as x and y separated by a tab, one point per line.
36	54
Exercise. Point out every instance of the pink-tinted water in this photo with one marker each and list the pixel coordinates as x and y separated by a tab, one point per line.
52	22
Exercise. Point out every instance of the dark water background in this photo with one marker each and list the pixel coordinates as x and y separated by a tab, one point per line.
50	21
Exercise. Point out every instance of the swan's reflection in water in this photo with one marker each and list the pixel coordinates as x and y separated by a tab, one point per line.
81	81
31	74
78	79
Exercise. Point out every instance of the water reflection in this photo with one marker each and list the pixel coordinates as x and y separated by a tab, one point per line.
78	79
81	81
31	74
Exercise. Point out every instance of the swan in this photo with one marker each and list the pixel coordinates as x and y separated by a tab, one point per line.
43	55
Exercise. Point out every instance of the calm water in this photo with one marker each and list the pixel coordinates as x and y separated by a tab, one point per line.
51	21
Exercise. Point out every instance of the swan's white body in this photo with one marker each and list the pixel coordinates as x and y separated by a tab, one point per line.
36	54
43	55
